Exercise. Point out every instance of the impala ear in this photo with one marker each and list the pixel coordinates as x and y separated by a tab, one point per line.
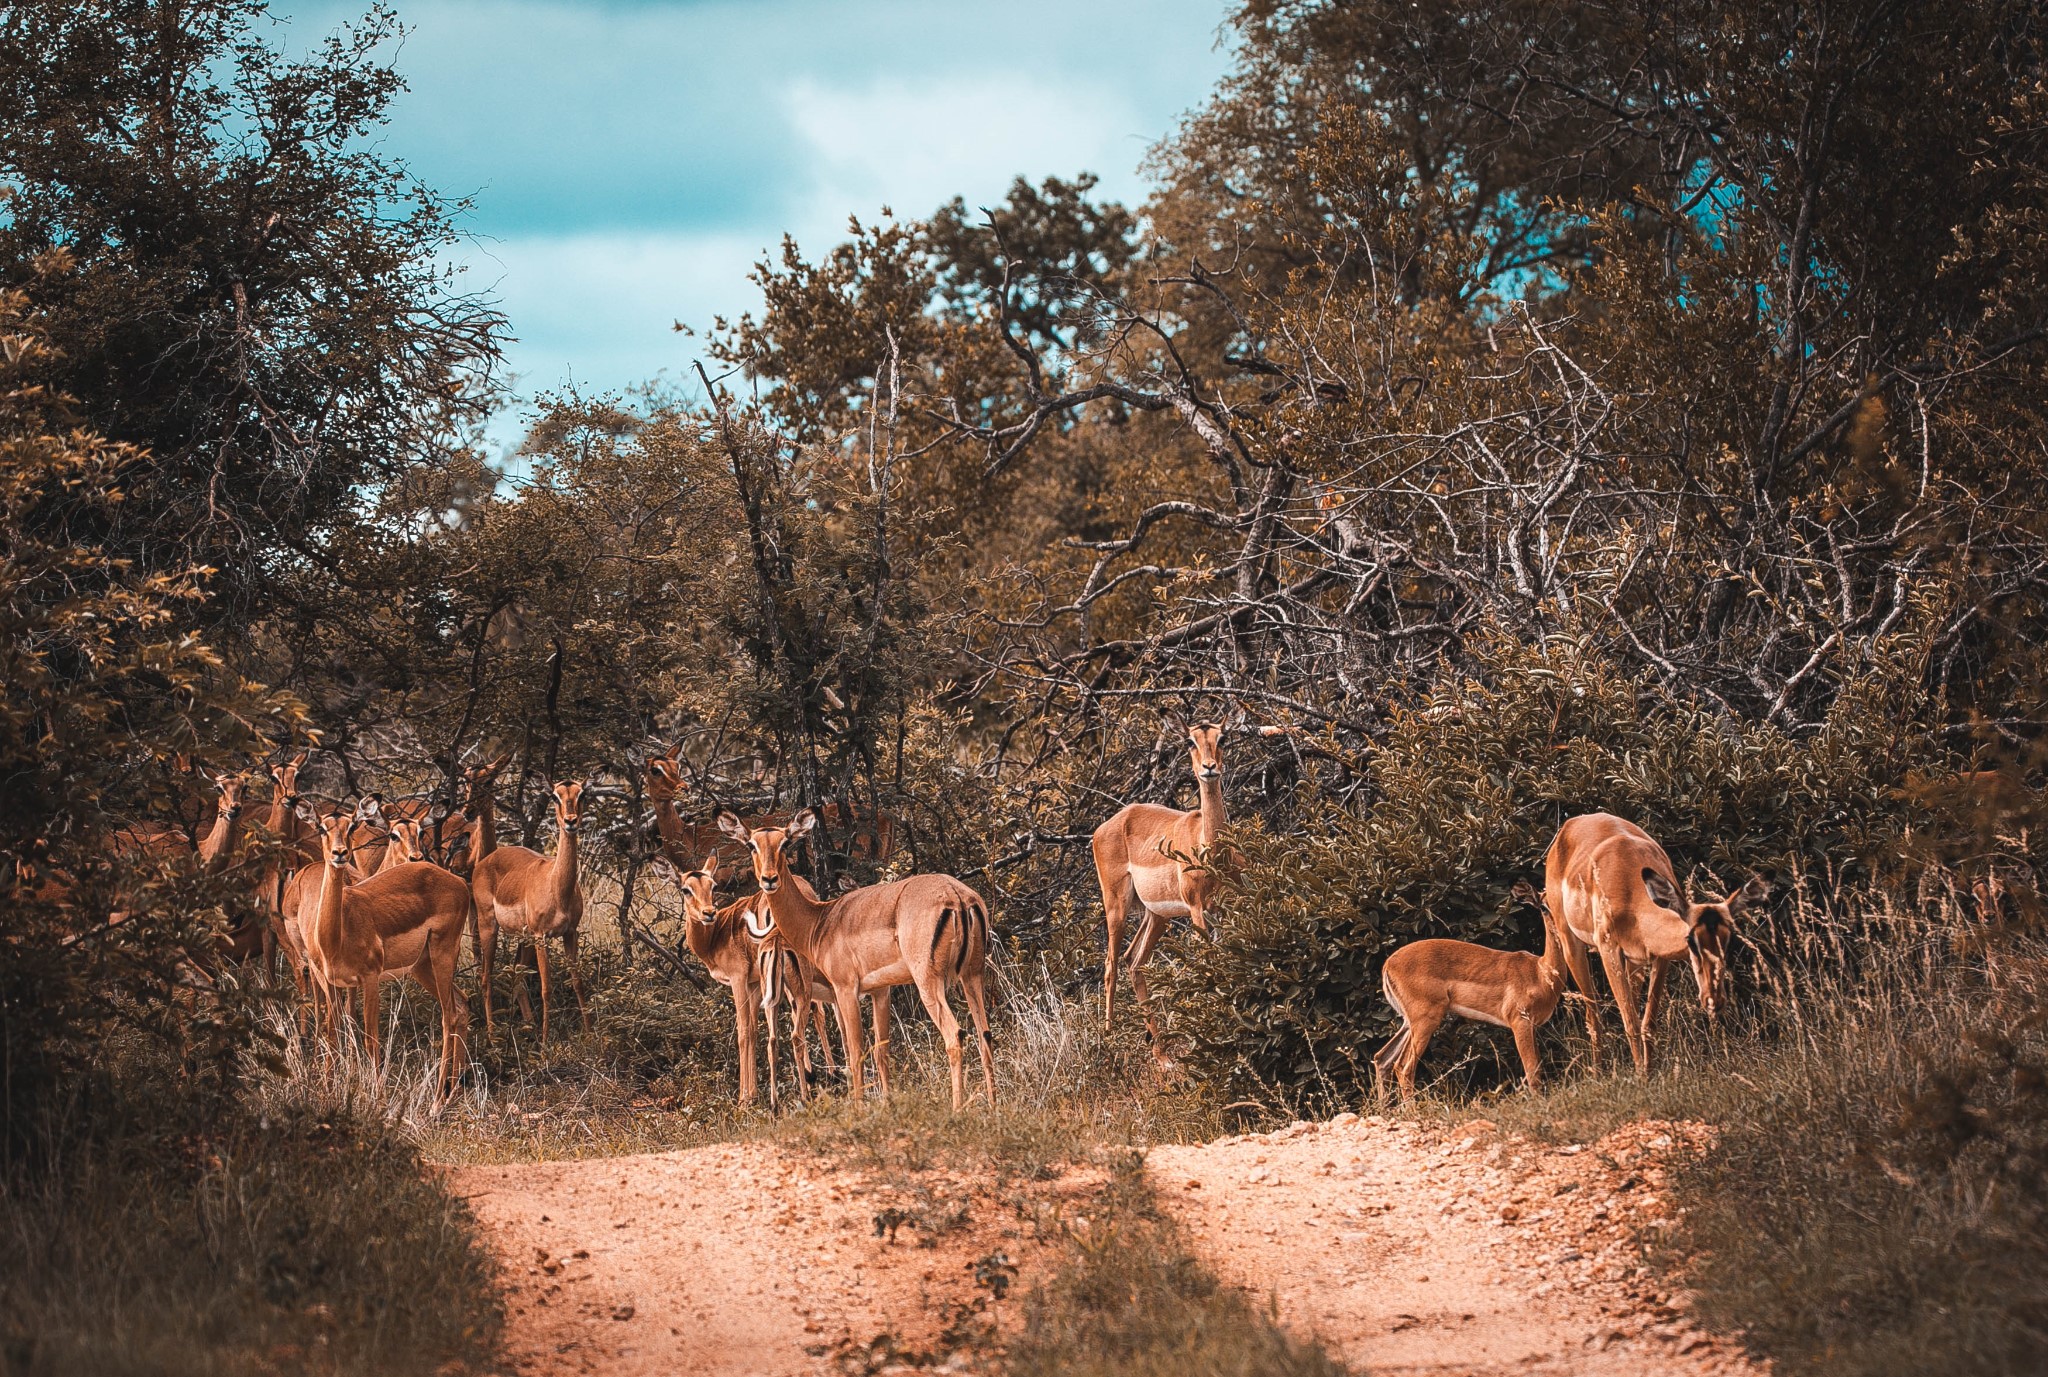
801	825
713	863
730	824
439	810
306	812
1662	892
1755	893
1522	892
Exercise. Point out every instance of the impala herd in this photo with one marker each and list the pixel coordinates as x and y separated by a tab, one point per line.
382	890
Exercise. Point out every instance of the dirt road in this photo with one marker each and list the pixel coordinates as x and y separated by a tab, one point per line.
1404	1249
1423	1251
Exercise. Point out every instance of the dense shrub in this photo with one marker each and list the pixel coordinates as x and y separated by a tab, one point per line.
1467	790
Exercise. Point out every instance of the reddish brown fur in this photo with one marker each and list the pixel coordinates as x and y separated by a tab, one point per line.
537	897
928	931
1149	857
407	920
1609	887
1429	980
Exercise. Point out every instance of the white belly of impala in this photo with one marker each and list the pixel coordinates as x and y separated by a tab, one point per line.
1158	889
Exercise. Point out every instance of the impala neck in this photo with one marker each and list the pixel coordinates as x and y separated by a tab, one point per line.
483	829
563	866
667	820
220	842
797	913
700	937
1213	816
327	923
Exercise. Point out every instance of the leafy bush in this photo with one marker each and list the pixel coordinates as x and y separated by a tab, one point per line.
1468	788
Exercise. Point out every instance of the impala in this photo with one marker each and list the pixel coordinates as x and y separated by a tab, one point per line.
1158	861
1429	980
1607	886
733	947
537	897
928	930
406	920
872	839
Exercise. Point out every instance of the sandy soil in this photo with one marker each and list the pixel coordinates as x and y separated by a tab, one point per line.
1405	1249
743	1259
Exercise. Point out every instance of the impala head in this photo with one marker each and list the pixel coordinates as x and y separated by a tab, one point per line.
569	806
665	776
766	844
700	888
480	778
232	788
1204	741
1710	927
338	828
405	835
286	777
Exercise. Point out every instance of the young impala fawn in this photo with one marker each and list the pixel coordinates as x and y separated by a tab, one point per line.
1608	887
1429	980
405	920
537	897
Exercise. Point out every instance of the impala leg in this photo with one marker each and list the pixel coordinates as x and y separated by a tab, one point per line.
932	990
1420	1031
485	936
848	1001
824	1036
572	946
1141	952
1114	895
1622	978
520	961
1575	960
1524	1029
881	1000
743	1022
372	1031
1650	996
540	956
977	1009
770	996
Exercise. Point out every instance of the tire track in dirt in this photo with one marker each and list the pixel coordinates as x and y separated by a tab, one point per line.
1416	1250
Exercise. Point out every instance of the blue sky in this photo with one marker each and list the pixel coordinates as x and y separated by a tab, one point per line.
631	159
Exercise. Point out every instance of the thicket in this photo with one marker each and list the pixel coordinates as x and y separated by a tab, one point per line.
1531	407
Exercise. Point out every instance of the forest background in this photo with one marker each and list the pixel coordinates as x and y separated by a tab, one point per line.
1530	407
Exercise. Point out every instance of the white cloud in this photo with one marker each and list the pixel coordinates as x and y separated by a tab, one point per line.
914	144
598	309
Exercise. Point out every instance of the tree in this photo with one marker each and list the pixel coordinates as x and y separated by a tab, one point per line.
258	299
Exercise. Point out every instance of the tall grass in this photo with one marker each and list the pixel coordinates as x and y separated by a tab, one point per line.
284	1235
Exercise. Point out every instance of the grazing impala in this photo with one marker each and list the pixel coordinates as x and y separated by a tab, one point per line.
731	945
1156	860
1607	886
1429	980
929	931
406	920
537	897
